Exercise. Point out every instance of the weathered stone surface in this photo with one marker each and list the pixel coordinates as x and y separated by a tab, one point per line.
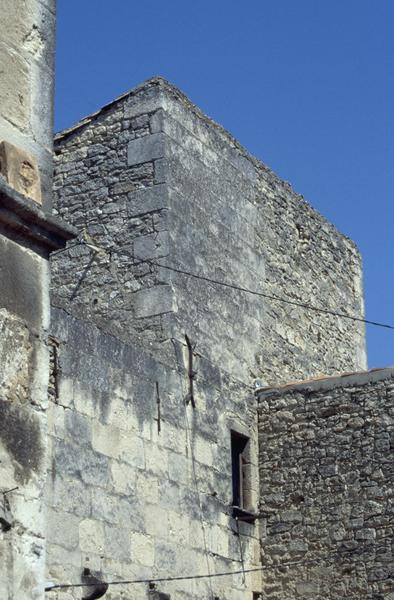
154	301
14	89
147	200
19	272
228	218
324	517
146	507
145	149
151	178
20	170
26	90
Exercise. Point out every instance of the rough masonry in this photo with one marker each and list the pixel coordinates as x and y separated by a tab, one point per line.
132	443
149	179
327	488
142	481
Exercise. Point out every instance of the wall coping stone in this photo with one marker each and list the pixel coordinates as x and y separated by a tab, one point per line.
323	383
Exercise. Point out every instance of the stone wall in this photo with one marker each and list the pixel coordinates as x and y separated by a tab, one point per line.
133	497
150	181
27	235
150	178
117	207
326	488
27	31
22	458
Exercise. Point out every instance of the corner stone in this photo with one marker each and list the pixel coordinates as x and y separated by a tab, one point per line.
145	149
154	301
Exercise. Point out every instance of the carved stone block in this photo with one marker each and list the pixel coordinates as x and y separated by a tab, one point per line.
20	171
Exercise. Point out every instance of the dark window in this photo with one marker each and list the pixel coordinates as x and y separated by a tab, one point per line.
240	457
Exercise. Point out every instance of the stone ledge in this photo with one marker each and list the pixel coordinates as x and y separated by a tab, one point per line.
23	220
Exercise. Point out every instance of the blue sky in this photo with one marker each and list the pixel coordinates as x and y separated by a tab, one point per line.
307	86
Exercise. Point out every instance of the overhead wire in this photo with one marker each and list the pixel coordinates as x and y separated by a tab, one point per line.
239	288
275	567
267	296
243	289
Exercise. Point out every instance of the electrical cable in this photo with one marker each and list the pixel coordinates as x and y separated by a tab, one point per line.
326	311
233	286
256	293
205	575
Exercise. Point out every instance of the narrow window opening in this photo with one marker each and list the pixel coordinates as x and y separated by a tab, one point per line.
241	475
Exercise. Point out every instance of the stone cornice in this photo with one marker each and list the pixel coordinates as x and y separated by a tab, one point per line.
24	221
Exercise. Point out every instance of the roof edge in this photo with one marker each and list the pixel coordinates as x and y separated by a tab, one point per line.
163	84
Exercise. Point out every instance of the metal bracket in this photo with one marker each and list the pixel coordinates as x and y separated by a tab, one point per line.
192	374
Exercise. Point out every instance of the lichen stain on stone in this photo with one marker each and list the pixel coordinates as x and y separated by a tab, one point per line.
21	436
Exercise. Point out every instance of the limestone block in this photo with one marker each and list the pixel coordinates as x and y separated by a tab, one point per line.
28	27
142	549
91	467
156	121
15	350
178	526
161	170
124	478
117	509
203	451
21	276
15	23
117	443
155	521
196	535
145	149
154	301
91	536
148	488
308	589
165	556
156	460
117	542
59	521
72	496
173	438
56	418
20	171
14	89
179	468
146	200
151	246
121	415
169	495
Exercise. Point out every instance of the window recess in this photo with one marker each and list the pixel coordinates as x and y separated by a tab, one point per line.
241	477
